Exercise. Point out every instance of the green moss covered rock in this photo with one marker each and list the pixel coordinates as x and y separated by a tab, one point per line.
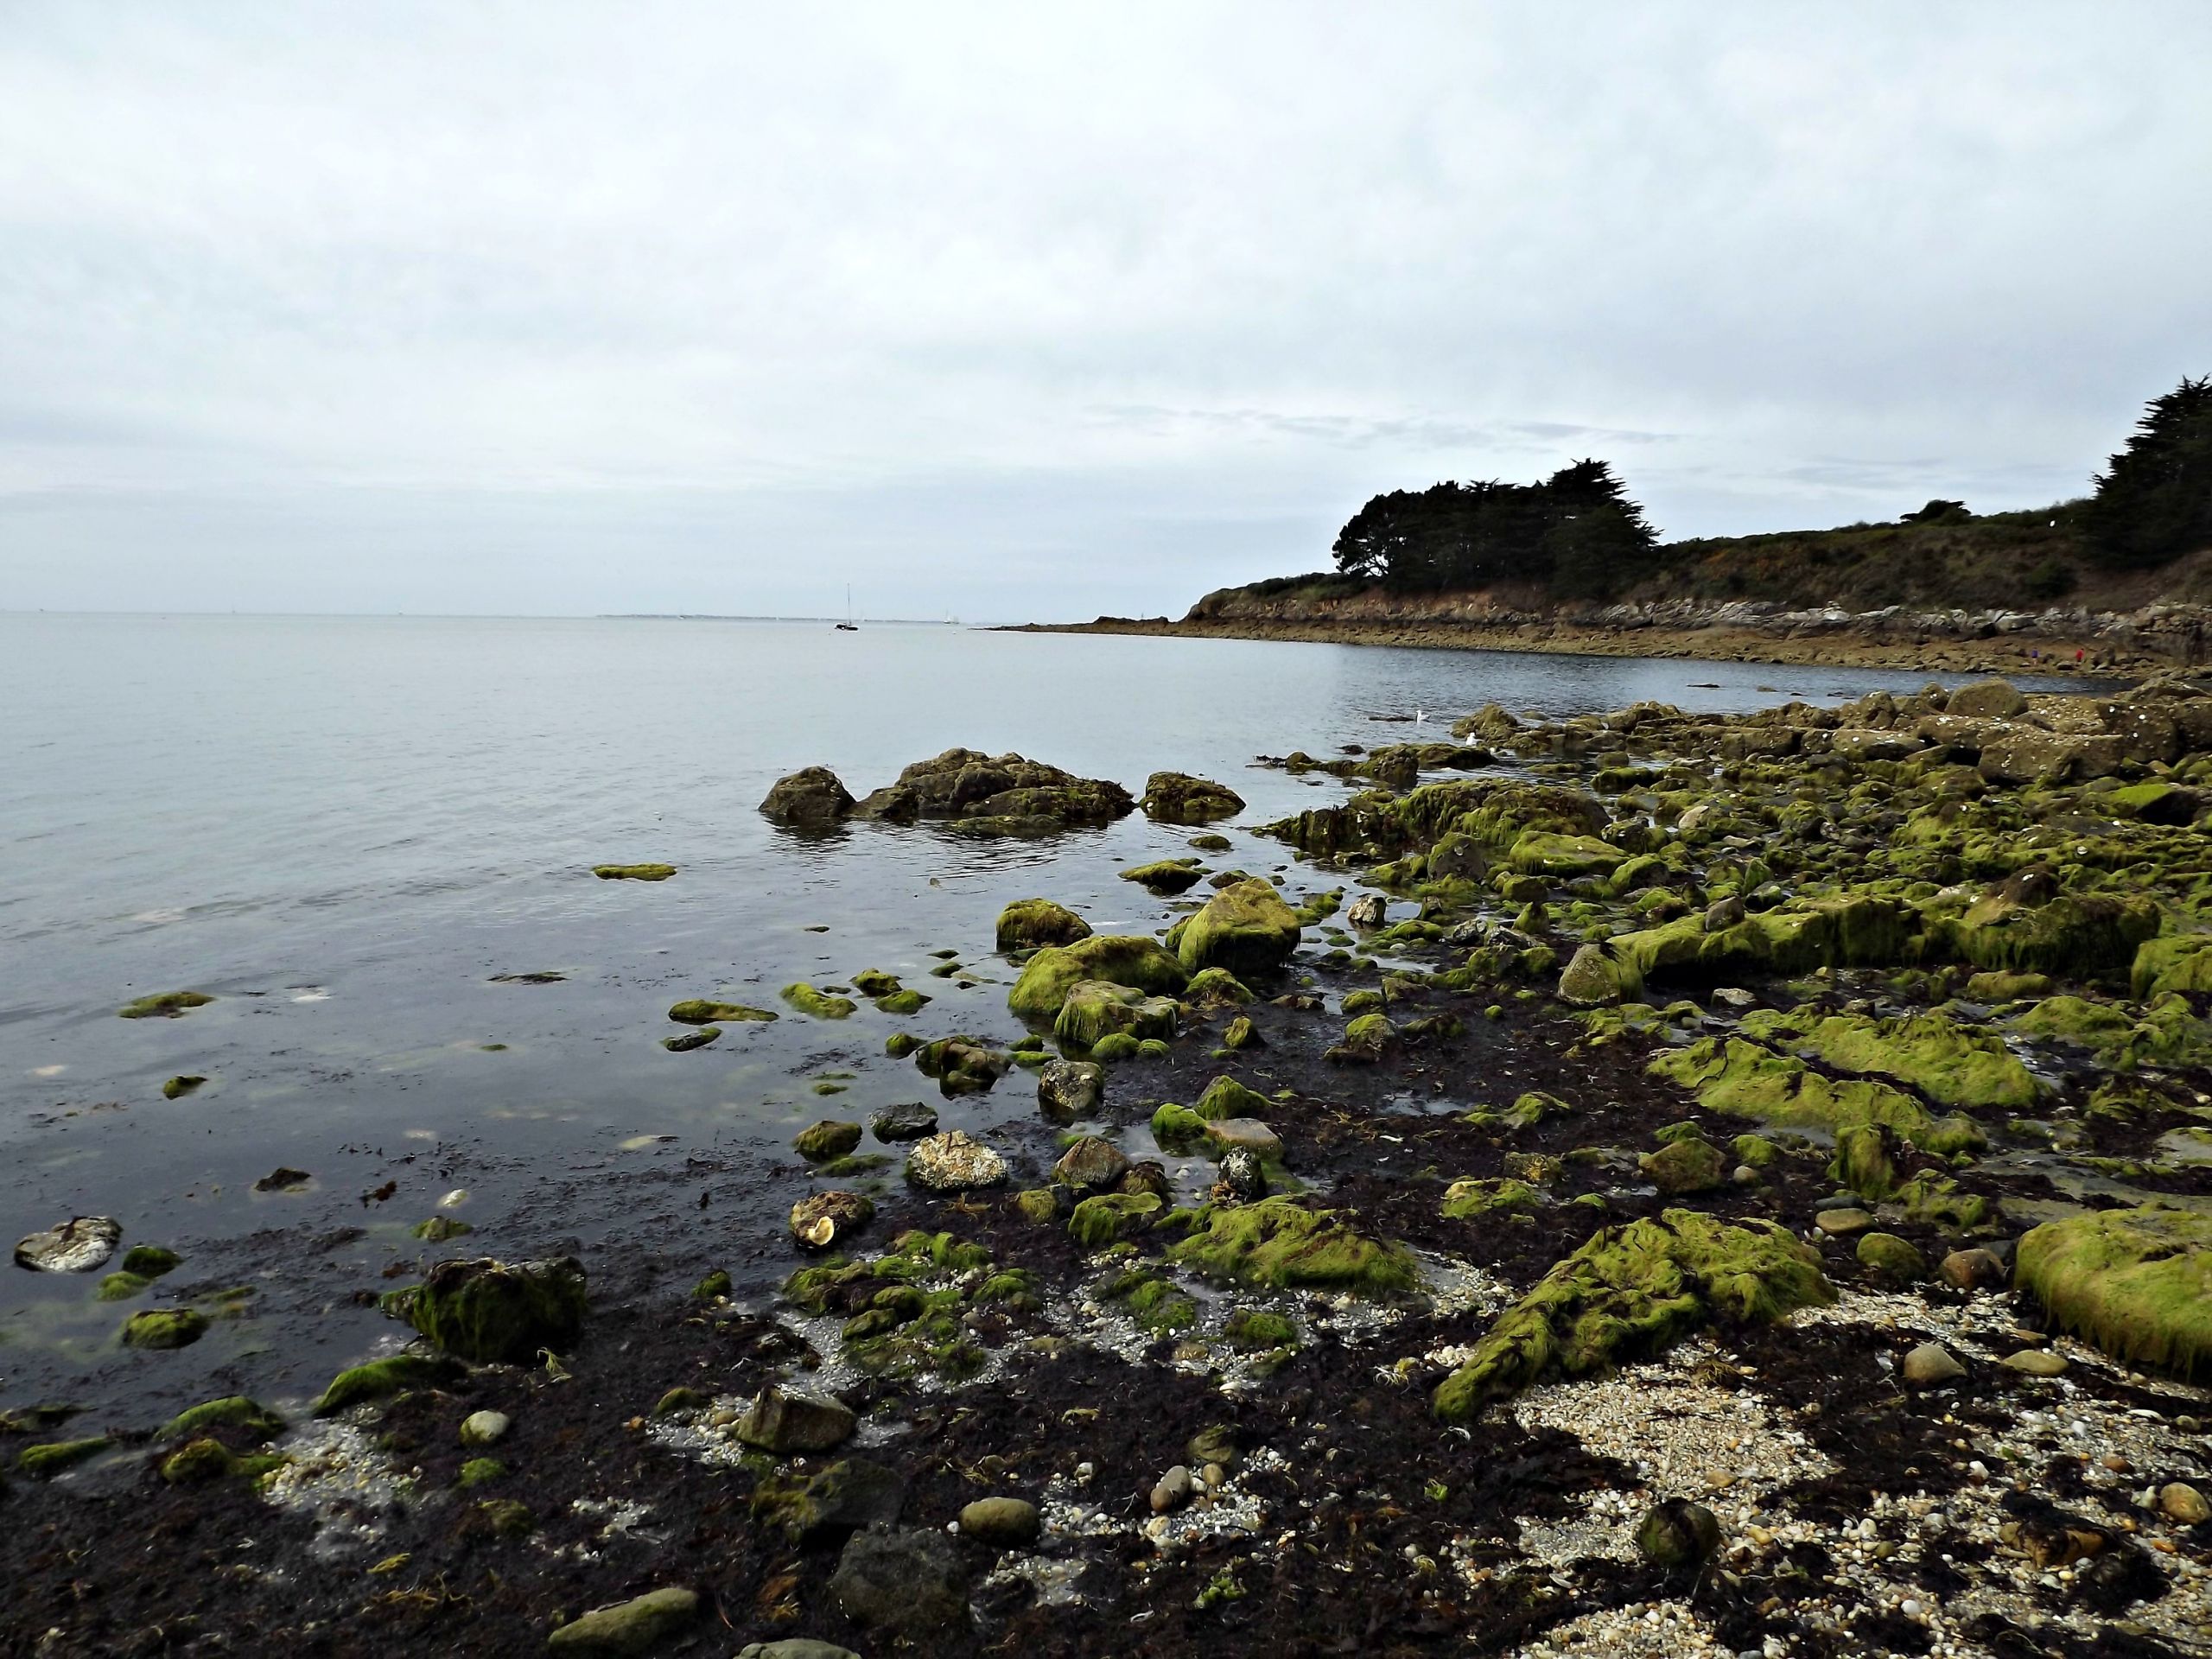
496	1313
830	1138
1030	923
1469	1200
817	1004
164	1004
1138	963
1631	1291
164	1328
1246	928
1167	876
234	1411
1742	1078
1279	1243
1178	798
380	1379
1953	1064
1096	1008
2138	1283
702	1011
1896	1261
1685	1164
633	872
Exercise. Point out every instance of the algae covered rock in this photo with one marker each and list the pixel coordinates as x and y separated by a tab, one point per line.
1676	1534
1028	923
1689	1165
1097	1008
1213	989
811	799
1226	1098
234	1411
379	1379
496	1313
2029	923
164	1004
633	872
817	1004
1108	1217
828	1139
1246	928
1166	876
1540	852
905	1582
832	1503
2138	1283
1891	1258
1471	1199
1091	1165
1280	1243
705	1011
1741	1077
2180	961
1138	963
784	1423
627	1629
1630	1292
961	1065
180	1085
1178	798
164	1328
1952	1063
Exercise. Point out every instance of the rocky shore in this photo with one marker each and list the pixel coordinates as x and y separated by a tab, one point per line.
2154	639
1639	1183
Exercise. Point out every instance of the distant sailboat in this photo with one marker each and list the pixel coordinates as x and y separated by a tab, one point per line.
848	626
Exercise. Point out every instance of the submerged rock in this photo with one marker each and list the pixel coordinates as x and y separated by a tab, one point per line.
818	1004
81	1245
1178	798
164	1004
961	1065
496	1313
702	1011
1167	876
164	1328
633	872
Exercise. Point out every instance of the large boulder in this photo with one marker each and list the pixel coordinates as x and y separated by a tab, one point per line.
1246	928
1001	794
2028	754
2138	1283
1993	699
1027	924
1178	798
1048	976
811	799
496	1313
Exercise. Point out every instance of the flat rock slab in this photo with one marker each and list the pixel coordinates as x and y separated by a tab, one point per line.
1245	1133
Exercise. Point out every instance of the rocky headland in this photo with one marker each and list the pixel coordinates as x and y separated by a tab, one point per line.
1643	1184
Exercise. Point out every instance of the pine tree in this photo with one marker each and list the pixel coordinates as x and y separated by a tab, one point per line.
2153	501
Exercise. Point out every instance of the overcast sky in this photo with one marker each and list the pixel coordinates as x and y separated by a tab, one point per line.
1043	310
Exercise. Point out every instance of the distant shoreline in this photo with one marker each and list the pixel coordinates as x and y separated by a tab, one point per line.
2011	652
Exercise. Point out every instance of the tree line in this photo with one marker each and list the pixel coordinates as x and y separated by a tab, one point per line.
1578	535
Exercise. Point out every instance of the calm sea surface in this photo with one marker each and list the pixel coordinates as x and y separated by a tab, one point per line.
343	828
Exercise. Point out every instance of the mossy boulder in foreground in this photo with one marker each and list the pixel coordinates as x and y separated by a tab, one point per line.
496	1313
2138	1283
1247	929
1028	923
1631	1291
1050	974
1280	1243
